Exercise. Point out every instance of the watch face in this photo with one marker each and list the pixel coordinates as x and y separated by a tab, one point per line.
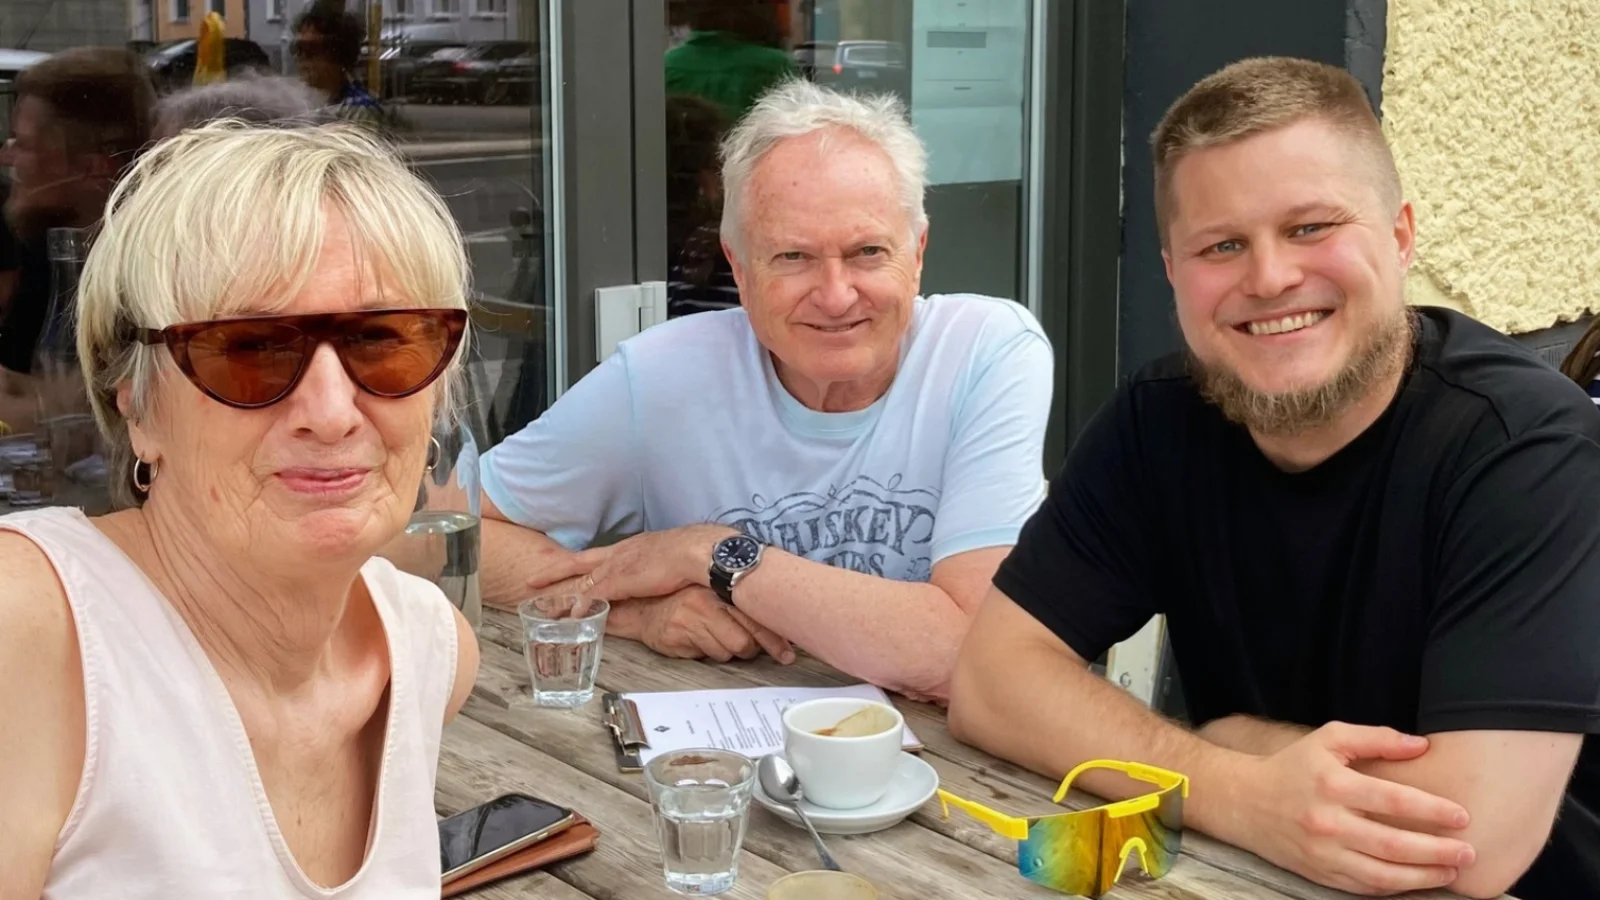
737	553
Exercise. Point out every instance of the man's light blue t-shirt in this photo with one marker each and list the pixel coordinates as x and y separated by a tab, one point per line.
687	423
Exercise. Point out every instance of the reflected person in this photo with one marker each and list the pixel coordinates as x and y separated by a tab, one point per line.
82	116
259	100
1371	528
860	455
731	57
699	277
327	49
215	686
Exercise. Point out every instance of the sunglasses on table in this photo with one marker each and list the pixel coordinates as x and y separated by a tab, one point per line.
1083	852
250	363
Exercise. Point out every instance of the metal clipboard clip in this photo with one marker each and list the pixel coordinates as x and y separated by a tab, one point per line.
621	718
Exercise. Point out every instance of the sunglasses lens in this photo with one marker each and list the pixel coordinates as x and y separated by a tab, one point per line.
1086	852
247	363
1148	841
1164	827
1062	852
393	354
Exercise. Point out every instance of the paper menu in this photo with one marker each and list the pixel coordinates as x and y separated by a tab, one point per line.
745	720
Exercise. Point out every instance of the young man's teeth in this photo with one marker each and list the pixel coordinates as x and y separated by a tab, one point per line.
1287	323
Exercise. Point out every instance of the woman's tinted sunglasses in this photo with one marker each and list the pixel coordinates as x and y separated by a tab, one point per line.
254	362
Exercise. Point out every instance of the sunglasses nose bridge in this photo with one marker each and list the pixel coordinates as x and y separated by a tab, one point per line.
1132	845
323	399
315	344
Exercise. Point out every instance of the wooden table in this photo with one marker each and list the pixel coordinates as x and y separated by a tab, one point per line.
499	744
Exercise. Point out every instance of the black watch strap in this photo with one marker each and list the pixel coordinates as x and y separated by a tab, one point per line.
722	583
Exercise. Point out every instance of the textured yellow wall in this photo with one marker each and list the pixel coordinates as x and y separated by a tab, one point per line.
1493	110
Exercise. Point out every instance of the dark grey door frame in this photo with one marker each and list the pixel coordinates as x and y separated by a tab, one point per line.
1082	210
594	165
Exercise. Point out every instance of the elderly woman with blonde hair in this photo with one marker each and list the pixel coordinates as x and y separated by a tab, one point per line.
219	691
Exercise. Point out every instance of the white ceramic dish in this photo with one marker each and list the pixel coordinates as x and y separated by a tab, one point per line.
914	783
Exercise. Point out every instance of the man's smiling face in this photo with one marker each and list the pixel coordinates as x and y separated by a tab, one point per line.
1287	261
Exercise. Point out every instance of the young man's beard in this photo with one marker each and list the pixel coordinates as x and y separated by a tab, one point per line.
1385	351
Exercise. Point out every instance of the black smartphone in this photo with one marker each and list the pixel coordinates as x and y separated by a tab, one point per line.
476	837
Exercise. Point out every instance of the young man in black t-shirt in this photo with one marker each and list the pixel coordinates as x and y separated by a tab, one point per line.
1364	523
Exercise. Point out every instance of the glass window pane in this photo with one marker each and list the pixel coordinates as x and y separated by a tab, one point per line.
960	67
470	96
463	98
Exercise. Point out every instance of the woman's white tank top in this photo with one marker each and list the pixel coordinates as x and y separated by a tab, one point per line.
170	803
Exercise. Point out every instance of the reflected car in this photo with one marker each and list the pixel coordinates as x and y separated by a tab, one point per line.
398	64
172	65
517	78
873	66
472	73
12	62
809	54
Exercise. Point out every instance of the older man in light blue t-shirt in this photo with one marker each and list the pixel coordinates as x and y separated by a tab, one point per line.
841	463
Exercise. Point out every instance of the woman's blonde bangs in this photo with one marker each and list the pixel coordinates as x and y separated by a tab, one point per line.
230	219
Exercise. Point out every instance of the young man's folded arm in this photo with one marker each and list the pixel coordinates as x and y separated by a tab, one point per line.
1022	694
1510	782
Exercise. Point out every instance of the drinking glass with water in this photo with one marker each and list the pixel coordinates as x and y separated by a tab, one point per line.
702	804
562	640
443	538
448	543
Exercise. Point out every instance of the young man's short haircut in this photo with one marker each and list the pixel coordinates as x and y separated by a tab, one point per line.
1263	94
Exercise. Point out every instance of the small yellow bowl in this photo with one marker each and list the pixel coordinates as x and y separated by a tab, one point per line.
822	885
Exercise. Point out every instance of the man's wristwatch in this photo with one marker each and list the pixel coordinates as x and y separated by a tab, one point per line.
731	560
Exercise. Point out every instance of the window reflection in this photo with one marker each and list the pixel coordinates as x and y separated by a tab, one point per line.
456	85
958	65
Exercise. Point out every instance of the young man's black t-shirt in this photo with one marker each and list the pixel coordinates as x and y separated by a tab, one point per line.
1439	573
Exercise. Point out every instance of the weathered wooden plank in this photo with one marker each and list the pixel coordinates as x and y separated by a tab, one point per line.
930	858
477	763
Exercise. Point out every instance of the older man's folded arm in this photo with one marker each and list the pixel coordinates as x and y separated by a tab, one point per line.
904	636
513	558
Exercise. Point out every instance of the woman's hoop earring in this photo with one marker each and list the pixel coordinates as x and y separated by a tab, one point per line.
435	453
149	472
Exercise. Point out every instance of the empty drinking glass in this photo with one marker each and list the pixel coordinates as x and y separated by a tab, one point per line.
14	449
27	471
563	636
702	804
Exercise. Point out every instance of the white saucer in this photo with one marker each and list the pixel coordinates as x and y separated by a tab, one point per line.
915	782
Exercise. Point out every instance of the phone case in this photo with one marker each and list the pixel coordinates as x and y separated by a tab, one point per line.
578	839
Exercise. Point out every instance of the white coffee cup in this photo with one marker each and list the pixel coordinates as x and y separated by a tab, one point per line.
841	772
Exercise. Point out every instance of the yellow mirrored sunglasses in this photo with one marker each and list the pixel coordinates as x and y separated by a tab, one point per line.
1084	851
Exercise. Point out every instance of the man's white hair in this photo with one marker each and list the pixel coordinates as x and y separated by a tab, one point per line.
797	108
